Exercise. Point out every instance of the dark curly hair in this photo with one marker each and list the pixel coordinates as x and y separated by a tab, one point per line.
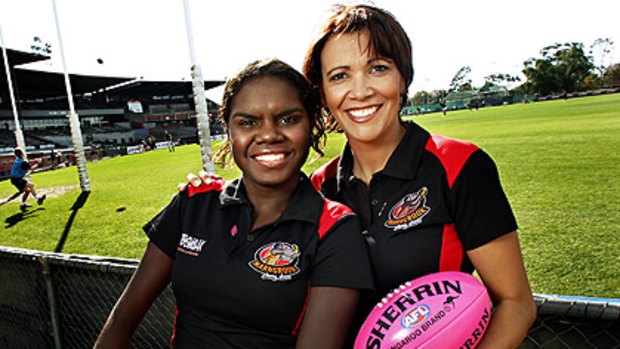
274	67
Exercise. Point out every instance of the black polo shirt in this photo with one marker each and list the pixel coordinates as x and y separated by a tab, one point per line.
237	288
435	199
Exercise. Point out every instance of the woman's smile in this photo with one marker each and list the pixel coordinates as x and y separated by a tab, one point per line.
271	159
362	114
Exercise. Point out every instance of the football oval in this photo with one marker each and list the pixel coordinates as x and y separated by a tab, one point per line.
439	310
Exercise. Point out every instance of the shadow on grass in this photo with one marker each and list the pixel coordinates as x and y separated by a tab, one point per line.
77	205
10	198
18	217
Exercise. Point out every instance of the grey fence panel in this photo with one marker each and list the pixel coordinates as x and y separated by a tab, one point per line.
24	311
554	331
89	289
83	301
51	300
575	322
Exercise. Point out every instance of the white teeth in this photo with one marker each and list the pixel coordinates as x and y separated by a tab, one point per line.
269	157
360	113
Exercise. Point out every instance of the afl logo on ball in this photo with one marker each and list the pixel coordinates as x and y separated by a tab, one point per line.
415	316
408	211
276	261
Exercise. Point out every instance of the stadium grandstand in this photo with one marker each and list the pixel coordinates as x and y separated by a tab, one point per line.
117	114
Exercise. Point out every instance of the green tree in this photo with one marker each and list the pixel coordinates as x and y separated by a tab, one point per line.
612	75
465	86
461	78
600	50
592	82
40	47
437	96
421	97
425	97
500	79
562	68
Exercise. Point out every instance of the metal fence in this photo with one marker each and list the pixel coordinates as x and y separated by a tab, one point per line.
53	300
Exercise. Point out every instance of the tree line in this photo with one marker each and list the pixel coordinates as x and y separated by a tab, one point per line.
561	68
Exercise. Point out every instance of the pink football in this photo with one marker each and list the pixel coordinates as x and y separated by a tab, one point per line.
440	310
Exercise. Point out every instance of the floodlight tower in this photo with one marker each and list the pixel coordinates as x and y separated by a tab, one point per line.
202	118
74	121
19	136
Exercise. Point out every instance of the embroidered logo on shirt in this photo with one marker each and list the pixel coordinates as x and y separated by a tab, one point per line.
408	211
276	261
190	245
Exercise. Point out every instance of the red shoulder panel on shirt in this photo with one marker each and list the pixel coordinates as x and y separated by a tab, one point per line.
451	256
216	185
332	212
452	153
328	170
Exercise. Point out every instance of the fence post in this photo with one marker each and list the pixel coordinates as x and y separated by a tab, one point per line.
51	298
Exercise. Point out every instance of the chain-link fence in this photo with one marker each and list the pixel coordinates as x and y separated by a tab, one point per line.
575	322
52	300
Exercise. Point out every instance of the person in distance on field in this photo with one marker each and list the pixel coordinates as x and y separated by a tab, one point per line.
169	140
19	170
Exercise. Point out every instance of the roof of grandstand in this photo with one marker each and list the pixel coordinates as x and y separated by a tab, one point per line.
460	95
159	88
20	57
494	89
40	87
31	84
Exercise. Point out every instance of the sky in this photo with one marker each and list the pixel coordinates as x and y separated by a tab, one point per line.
148	38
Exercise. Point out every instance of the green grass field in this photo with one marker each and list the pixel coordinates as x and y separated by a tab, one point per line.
559	162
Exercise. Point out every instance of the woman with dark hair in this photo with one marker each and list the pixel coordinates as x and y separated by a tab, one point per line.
264	261
427	203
